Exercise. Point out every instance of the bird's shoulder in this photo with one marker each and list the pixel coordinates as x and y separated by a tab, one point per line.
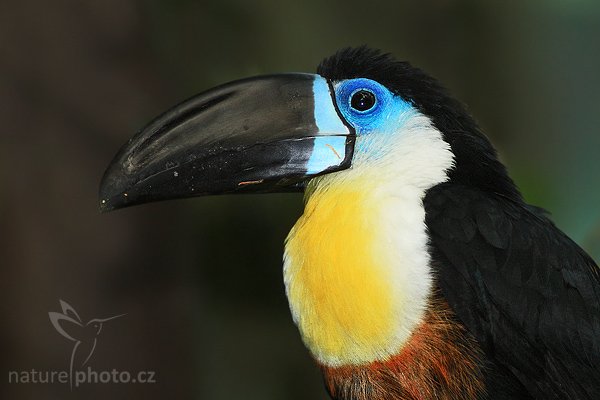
528	293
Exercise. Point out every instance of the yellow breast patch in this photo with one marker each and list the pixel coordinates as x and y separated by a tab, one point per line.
338	283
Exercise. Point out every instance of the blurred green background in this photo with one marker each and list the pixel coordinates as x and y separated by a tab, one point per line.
200	280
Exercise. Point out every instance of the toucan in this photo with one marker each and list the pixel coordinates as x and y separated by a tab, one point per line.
417	270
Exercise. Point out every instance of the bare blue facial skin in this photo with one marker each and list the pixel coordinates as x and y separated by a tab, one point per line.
385	117
381	117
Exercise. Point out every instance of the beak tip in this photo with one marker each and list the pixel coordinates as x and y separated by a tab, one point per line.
104	206
111	198
113	193
111	203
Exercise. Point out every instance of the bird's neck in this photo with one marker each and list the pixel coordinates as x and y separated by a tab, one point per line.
357	274
358	279
357	269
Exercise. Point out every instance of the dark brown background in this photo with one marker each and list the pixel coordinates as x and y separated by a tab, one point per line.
200	280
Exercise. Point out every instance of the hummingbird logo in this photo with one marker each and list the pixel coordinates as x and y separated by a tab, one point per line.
84	335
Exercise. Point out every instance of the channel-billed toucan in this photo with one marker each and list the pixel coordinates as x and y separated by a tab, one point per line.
417	271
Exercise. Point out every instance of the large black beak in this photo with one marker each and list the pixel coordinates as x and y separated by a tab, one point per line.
262	134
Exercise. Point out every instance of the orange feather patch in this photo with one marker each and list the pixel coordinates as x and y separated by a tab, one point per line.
440	361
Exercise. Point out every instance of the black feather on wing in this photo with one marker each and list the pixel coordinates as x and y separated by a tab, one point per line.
527	293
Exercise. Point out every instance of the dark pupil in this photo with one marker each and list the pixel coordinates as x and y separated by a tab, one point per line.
362	100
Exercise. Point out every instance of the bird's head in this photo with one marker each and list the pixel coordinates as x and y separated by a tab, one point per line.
362	111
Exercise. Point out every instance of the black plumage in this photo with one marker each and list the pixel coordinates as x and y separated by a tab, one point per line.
526	292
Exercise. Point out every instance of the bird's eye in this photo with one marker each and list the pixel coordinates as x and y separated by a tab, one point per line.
362	100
